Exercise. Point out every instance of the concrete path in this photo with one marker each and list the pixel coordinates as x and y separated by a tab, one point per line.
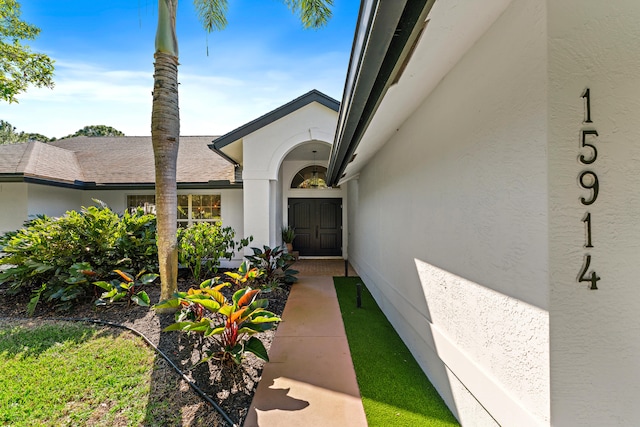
309	380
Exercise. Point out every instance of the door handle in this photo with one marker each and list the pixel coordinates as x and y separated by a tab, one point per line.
316	231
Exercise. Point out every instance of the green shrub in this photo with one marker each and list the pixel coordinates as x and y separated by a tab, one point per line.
136	241
57	257
204	244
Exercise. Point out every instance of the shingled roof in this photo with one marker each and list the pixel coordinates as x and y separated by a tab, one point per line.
111	162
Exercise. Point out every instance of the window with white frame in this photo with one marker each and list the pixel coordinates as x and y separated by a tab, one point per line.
191	207
146	202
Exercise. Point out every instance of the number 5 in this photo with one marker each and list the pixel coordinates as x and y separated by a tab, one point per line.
584	143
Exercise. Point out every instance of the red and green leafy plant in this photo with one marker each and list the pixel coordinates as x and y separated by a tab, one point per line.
124	290
232	324
244	275
275	263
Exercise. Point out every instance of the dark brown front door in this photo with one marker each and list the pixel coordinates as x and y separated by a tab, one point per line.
318	226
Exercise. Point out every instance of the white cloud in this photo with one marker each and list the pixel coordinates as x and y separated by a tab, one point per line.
211	103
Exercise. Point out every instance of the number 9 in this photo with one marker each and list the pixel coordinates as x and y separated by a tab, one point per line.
594	186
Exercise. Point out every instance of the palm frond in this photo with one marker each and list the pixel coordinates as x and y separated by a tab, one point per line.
212	13
313	13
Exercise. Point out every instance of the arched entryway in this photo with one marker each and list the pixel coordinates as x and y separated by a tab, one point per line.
311	208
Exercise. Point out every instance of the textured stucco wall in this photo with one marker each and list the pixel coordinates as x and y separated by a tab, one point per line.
13	205
449	228
52	201
595	334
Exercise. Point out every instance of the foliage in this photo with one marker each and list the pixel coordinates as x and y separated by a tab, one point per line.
288	234
204	244
72	374
244	275
395	391
68	252
19	67
232	324
9	135
96	130
275	263
116	289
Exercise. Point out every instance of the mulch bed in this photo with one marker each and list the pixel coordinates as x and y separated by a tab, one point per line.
231	387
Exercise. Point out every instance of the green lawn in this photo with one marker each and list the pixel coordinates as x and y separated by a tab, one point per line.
395	391
72	374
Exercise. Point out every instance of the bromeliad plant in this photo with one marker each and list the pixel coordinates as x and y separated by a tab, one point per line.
232	324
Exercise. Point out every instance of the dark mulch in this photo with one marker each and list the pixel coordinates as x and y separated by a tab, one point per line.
172	401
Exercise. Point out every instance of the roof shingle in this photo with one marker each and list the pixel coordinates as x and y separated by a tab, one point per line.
112	160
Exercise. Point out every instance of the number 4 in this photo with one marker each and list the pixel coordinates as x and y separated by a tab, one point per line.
583	274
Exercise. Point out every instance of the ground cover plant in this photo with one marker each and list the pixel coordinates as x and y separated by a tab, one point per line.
394	389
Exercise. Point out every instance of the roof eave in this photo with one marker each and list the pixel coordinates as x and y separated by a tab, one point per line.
272	116
385	33
83	185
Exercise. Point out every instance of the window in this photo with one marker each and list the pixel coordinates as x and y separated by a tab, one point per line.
147	203
310	177
198	208
191	207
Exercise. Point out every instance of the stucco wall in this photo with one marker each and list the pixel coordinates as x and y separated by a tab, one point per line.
51	201
13	205
449	227
595	334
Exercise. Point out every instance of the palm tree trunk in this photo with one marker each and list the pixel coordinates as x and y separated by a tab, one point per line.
165	135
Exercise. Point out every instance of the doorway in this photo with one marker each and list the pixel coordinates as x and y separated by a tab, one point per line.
318	226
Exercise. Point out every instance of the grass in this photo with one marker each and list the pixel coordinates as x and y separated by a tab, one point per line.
72	374
395	391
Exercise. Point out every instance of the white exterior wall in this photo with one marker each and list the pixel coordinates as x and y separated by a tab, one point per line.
51	201
13	206
449	227
595	334
264	152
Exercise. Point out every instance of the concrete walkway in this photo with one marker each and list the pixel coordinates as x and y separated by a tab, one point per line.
309	380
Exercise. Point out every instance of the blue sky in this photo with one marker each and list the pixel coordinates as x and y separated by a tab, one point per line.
104	64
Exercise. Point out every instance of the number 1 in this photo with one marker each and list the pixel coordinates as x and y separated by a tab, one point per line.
587	221
587	96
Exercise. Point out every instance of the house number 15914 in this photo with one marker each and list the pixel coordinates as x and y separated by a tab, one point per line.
588	180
